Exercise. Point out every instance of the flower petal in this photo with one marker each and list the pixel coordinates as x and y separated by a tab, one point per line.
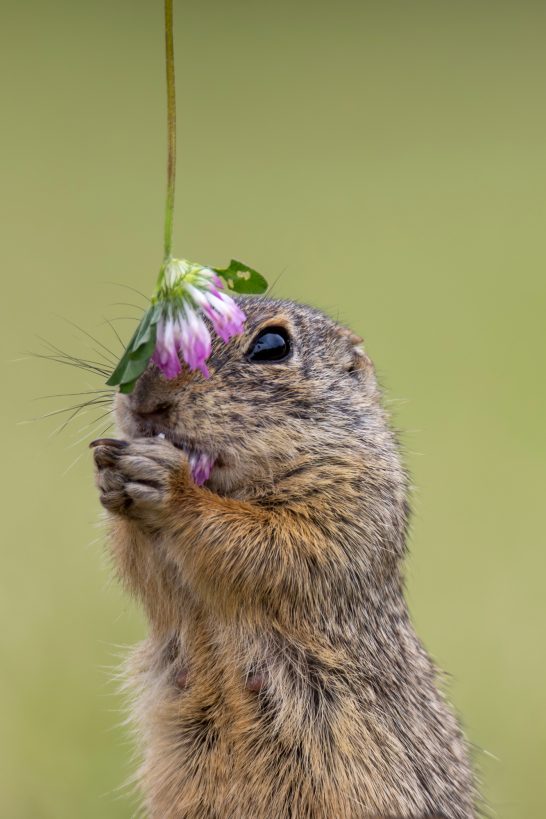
201	466
165	355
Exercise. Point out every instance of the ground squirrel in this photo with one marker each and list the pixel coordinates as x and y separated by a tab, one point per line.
281	676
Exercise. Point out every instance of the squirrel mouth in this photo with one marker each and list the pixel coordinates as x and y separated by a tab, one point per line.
201	463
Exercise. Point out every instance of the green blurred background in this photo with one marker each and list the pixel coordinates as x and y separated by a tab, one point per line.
385	161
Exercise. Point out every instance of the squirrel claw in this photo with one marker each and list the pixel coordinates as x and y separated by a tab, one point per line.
115	442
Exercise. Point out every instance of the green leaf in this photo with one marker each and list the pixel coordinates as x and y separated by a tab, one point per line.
240	278
138	352
127	388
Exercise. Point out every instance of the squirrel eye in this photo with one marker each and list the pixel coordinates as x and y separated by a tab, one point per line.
271	344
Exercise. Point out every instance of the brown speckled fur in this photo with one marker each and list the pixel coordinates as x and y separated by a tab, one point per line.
281	676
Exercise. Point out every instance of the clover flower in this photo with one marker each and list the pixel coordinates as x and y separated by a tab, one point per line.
175	325
185	332
181	329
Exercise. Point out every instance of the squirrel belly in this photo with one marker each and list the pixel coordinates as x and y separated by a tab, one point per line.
281	676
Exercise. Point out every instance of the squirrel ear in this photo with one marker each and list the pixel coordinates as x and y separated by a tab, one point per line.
355	340
359	359
352	338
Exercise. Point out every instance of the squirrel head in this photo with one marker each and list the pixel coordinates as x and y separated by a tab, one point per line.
292	387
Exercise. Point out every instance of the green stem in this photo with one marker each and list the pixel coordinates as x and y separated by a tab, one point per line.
171	131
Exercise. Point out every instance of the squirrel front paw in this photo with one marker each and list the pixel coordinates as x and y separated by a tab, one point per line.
139	478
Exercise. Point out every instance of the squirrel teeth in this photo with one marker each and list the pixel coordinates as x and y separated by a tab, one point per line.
200	463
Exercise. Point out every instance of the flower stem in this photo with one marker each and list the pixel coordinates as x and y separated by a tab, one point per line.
171	131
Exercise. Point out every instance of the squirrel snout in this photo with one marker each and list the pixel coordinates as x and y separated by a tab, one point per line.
152	411
149	401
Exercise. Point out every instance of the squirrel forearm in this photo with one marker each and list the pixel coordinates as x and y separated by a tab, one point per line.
239	554
146	571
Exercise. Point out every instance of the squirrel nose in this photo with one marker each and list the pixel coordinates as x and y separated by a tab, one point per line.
155	412
148	401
